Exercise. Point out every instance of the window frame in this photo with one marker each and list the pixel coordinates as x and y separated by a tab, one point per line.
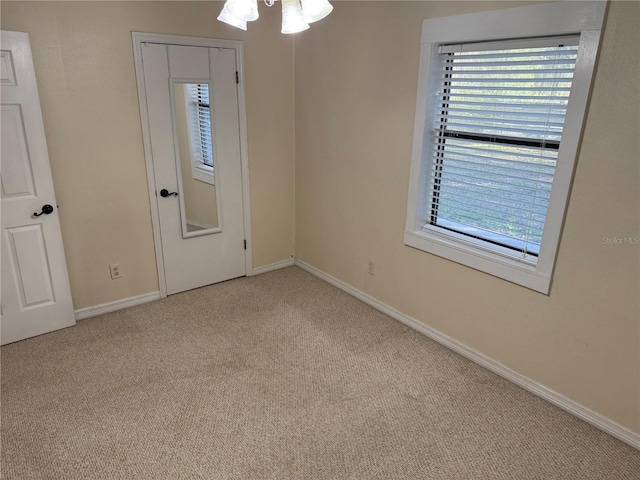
556	19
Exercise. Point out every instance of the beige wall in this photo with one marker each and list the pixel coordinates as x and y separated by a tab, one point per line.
356	81
84	66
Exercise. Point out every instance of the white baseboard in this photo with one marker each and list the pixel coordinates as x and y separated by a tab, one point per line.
289	262
103	308
600	421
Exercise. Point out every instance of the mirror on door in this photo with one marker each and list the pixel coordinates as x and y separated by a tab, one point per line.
195	159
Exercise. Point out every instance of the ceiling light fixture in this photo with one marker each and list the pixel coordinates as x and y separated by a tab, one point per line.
296	14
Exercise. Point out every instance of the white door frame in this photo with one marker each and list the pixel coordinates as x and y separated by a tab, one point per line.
138	40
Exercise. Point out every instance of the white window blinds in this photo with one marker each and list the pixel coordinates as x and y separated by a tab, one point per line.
200	124
498	127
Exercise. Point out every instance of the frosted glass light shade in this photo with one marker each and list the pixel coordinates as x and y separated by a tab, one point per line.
246	10
314	10
292	19
226	17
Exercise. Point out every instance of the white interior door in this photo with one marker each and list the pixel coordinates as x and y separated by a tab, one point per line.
36	297
194	132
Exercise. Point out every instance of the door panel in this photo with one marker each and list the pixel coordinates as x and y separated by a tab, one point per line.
7	72
188	62
36	297
17	176
192	258
28	260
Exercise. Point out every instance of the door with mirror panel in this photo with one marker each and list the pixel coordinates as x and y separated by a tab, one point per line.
194	131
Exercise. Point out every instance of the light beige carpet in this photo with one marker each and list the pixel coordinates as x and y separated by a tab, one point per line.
279	376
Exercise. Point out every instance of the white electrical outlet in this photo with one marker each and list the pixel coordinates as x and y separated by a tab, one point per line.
115	271
372	268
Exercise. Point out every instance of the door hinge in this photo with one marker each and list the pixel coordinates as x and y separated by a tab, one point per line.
237	77
245	244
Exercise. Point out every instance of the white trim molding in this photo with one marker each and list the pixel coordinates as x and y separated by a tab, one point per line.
121	304
289	262
596	419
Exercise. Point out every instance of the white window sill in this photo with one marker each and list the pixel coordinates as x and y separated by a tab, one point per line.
501	266
203	173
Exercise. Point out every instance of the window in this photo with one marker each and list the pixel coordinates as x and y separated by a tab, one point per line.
497	130
199	119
